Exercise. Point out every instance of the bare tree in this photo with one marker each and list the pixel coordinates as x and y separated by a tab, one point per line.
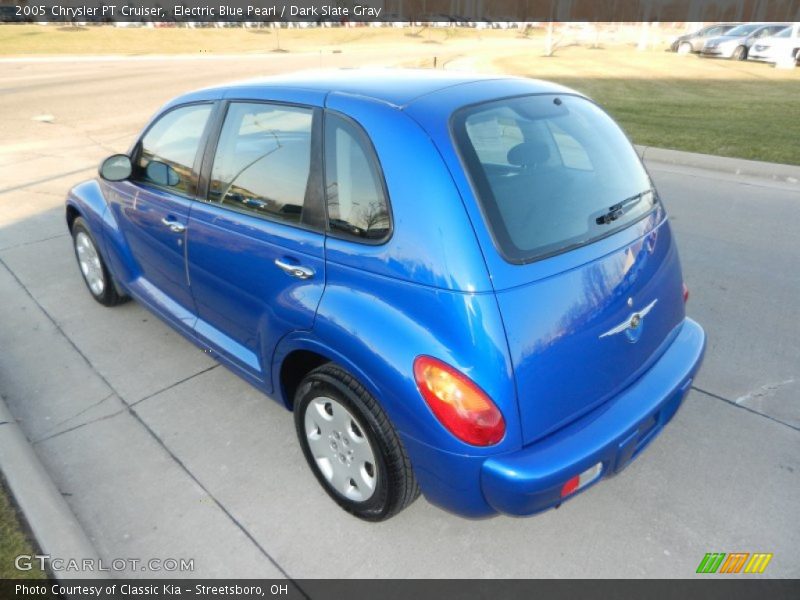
551	43
644	36
375	216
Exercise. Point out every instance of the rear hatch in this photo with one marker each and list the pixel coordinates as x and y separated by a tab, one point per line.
585	268
571	336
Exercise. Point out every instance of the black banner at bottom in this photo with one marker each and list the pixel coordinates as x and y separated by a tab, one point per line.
389	589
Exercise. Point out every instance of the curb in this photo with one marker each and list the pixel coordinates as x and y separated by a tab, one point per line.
735	166
57	531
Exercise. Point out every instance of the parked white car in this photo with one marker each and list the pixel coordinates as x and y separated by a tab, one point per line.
777	47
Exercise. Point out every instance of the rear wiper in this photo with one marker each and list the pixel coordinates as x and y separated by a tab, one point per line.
620	208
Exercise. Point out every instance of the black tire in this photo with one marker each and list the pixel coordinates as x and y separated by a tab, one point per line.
395	485
684	48
108	296
740	53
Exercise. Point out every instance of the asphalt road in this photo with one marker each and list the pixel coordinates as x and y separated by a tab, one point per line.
161	453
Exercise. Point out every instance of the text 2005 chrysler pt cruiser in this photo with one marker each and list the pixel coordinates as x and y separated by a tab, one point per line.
465	286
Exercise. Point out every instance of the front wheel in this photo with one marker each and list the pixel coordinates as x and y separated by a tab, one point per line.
351	446
94	270
684	48
740	53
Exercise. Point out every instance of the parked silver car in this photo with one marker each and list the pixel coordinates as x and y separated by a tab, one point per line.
736	43
693	42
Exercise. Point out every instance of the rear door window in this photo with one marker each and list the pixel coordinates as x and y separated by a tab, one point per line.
551	173
262	164
356	200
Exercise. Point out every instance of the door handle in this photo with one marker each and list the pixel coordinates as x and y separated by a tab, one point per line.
294	270
173	225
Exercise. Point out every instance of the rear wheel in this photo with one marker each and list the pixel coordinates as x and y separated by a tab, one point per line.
94	271
684	48
351	446
740	53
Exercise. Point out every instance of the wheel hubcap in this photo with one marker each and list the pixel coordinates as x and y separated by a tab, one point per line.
89	261
341	449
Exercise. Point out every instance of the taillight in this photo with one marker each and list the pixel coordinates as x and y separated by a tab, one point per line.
685	292
460	405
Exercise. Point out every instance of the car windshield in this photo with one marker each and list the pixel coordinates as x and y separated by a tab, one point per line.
551	172
743	30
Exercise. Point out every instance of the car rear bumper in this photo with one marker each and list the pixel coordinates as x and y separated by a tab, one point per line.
530	480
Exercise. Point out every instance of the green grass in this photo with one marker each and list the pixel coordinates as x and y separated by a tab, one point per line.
724	108
745	120
13	541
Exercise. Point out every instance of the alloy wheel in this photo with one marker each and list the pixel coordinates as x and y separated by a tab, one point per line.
341	449
89	261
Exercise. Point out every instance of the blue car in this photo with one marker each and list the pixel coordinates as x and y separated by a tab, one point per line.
461	286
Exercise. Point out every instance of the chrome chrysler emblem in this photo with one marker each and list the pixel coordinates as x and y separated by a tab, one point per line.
632	326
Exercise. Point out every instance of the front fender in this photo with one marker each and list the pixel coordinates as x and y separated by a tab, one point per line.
87	200
91	199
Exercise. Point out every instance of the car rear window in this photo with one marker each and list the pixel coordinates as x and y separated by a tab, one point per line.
552	172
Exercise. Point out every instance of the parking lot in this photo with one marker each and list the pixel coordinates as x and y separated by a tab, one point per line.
162	453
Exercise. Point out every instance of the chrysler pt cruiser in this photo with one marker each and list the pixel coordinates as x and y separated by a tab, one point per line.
461	286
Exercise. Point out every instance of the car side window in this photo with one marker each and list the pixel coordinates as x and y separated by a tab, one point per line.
767	31
168	149
263	160
356	201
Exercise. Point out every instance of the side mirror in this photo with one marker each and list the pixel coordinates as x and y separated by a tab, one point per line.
117	167
162	174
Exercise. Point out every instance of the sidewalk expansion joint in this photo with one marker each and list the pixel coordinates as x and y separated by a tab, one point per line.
32	242
747	408
79	426
172	385
75	416
22	186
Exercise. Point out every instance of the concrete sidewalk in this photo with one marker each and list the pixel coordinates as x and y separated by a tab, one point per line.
119	453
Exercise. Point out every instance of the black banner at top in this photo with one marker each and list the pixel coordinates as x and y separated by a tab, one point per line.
454	12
